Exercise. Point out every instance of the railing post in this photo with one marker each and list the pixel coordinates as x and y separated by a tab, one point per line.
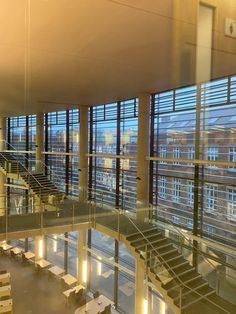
217	281
119	224
146	258
180	299
73	214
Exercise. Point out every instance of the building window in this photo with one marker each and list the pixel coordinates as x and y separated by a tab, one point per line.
191	154
176	190
190	193
162	187
232	156
176	154
231	208
211	195
163	154
212	155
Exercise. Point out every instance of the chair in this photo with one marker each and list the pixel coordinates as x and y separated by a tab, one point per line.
3	272
107	309
24	259
71	298
96	294
79	294
82	302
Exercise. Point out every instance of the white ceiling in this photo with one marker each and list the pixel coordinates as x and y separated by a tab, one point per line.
81	52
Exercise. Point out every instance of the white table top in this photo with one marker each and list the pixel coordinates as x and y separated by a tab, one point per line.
42	263
5	246
3	277
29	255
5	306
57	271
94	306
77	289
69	279
5	290
17	250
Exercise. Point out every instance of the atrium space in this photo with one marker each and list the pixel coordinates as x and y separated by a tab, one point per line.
118	157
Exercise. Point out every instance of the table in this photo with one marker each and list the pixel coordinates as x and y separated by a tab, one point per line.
42	263
5	246
69	280
94	306
29	255
5	291
6	306
57	271
5	278
16	250
77	289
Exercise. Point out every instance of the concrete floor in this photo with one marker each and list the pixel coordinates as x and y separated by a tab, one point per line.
33	293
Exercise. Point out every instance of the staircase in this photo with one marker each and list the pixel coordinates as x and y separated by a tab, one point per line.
181	285
37	183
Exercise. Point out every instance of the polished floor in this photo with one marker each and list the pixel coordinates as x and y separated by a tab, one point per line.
33	293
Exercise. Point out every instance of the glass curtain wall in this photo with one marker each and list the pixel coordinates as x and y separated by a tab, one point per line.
113	138
196	122
61	148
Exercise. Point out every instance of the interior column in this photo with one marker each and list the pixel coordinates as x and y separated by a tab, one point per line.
142	212
39	240
82	258
2	176
83	151
141	289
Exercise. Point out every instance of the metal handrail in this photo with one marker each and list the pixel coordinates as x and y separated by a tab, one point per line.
189	240
27	170
182	284
49	170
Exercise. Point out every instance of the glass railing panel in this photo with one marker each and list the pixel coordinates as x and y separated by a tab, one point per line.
23	222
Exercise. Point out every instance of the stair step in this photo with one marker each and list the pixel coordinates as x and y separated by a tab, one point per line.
168	261
140	235
184	283
178	267
154	248
200	288
196	299
146	237
151	244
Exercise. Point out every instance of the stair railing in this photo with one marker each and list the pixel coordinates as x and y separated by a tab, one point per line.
199	252
163	262
191	243
13	151
183	284
47	171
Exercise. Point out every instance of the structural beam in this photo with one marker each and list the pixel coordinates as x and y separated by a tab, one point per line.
142	162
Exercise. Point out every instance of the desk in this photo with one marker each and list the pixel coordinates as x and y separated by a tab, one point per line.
17	250
42	263
57	271
94	306
69	280
6	306
77	289
5	246
5	278
29	255
5	291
